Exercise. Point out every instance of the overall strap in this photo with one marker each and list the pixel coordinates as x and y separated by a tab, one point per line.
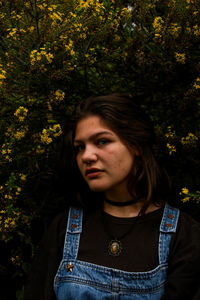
167	228
72	237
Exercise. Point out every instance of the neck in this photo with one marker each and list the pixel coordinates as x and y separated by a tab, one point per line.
119	194
122	211
123	203
129	211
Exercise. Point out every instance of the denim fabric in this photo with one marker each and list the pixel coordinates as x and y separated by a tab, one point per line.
86	281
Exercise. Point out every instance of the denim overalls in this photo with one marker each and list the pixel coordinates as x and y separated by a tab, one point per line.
86	281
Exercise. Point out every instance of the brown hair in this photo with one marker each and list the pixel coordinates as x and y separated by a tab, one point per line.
122	114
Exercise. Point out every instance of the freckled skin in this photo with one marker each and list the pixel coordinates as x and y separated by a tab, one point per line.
101	148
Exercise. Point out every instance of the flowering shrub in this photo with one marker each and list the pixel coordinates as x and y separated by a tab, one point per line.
54	53
187	195
48	134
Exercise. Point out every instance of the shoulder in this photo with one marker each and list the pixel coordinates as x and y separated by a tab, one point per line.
59	219
54	232
187	224
184	259
187	237
58	225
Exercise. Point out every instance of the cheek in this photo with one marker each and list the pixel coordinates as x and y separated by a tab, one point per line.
78	162
125	163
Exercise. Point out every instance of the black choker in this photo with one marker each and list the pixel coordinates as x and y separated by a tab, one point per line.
115	203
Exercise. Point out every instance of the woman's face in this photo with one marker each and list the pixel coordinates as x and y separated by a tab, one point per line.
103	159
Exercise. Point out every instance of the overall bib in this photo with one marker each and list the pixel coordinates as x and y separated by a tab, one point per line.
77	279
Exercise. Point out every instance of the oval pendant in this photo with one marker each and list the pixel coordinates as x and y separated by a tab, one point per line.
115	248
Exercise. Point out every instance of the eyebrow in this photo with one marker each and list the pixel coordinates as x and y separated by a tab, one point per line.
95	135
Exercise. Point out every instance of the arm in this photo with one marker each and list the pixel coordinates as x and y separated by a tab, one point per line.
40	281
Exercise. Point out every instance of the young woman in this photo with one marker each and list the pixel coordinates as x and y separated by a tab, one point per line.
119	238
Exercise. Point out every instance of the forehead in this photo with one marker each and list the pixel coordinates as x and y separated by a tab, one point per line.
91	125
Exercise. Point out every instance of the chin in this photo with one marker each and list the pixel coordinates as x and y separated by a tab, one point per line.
97	188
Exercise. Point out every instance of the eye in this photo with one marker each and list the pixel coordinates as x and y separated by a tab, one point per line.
102	142
79	148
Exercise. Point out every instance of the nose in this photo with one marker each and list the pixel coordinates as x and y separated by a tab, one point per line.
89	155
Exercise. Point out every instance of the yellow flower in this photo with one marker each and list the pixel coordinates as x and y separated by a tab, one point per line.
180	57
39	150
158	24
44	131
48	140
171	148
185	199
20	134
157	35
185	190
41	6
49	57
56	16
21	113
175	29
57	97
69	46
56	130
36	56
196	85
45	137
16	260
22	177
83	36
196	30
189	139
170	133
12	33
22	30
31	29
8	158
30	100
2	75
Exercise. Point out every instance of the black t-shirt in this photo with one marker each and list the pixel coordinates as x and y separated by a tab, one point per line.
139	252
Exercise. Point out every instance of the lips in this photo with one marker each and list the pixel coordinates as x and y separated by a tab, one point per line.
93	171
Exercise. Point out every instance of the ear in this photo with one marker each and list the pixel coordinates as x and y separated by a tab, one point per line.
135	152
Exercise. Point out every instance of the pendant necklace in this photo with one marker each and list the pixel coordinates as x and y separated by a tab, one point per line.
115	245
